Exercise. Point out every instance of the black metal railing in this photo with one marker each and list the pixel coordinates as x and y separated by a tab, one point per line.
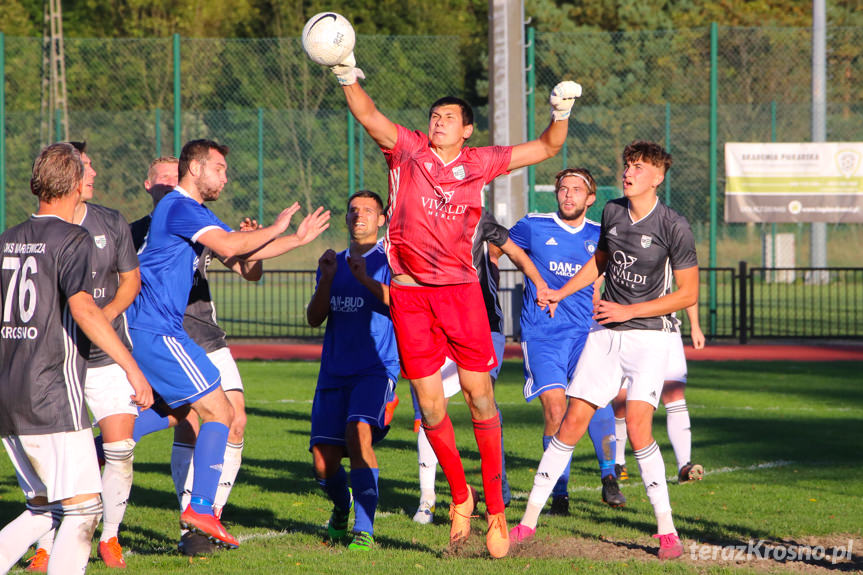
749	303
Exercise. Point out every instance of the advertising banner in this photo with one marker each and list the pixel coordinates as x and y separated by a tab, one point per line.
805	182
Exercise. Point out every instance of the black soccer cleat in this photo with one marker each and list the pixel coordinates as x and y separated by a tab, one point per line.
194	544
611	492
559	505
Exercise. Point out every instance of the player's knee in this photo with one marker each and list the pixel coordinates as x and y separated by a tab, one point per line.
120	454
238	426
554	414
673	391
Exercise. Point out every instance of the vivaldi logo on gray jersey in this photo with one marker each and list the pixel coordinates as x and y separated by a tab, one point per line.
620	264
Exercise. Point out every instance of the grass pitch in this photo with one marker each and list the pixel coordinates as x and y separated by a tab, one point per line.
780	443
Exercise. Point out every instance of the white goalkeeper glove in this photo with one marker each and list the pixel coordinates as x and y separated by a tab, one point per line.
562	98
347	72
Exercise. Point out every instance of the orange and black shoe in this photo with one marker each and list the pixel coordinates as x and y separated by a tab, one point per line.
208	525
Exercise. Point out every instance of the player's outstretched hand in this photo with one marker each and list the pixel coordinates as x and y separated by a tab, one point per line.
327	264
562	98
250	225
347	72
313	225
283	220
143	397
609	312
698	339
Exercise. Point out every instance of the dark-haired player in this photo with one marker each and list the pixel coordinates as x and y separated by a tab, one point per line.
435	204
359	369
180	230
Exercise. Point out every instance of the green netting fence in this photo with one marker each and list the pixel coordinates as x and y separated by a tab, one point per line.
292	139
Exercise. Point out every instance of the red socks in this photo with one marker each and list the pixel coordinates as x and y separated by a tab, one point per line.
442	439
487	433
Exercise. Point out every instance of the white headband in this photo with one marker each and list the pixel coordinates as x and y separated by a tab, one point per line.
577	175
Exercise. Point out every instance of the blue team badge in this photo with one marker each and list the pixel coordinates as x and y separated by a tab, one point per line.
590	246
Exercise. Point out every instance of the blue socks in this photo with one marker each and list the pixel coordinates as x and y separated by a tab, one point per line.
208	459
601	430
147	422
336	488
561	485
365	485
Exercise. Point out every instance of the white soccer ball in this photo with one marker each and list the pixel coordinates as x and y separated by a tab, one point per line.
328	38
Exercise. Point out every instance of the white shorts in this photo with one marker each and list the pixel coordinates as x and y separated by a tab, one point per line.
676	370
449	374
641	356
67	464
108	392
227	367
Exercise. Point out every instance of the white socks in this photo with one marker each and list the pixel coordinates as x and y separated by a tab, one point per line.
427	467
230	468
620	439
677	418
22	531
116	485
554	461
72	545
652	470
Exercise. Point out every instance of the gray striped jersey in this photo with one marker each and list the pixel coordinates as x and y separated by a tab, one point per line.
641	258
45	261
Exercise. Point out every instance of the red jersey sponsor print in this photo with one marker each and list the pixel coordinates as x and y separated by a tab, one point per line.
435	208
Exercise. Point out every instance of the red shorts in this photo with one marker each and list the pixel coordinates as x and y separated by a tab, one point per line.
434	322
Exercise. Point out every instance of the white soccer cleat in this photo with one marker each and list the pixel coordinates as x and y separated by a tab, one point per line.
425	513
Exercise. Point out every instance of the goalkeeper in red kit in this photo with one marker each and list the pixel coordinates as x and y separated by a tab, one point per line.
437	308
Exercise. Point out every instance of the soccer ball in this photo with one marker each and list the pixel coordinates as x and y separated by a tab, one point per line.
328	38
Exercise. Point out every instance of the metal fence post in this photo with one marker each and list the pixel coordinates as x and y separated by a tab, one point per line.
178	109
158	132
714	104
351	154
773	224
361	164
260	166
744	301
2	131
531	113
668	149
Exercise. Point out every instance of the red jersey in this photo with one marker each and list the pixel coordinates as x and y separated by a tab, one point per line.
434	209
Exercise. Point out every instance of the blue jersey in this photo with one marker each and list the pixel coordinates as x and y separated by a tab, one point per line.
558	251
168	259
359	338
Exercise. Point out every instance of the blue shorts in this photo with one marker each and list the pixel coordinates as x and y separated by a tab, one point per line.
177	368
339	400
549	364
498	340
